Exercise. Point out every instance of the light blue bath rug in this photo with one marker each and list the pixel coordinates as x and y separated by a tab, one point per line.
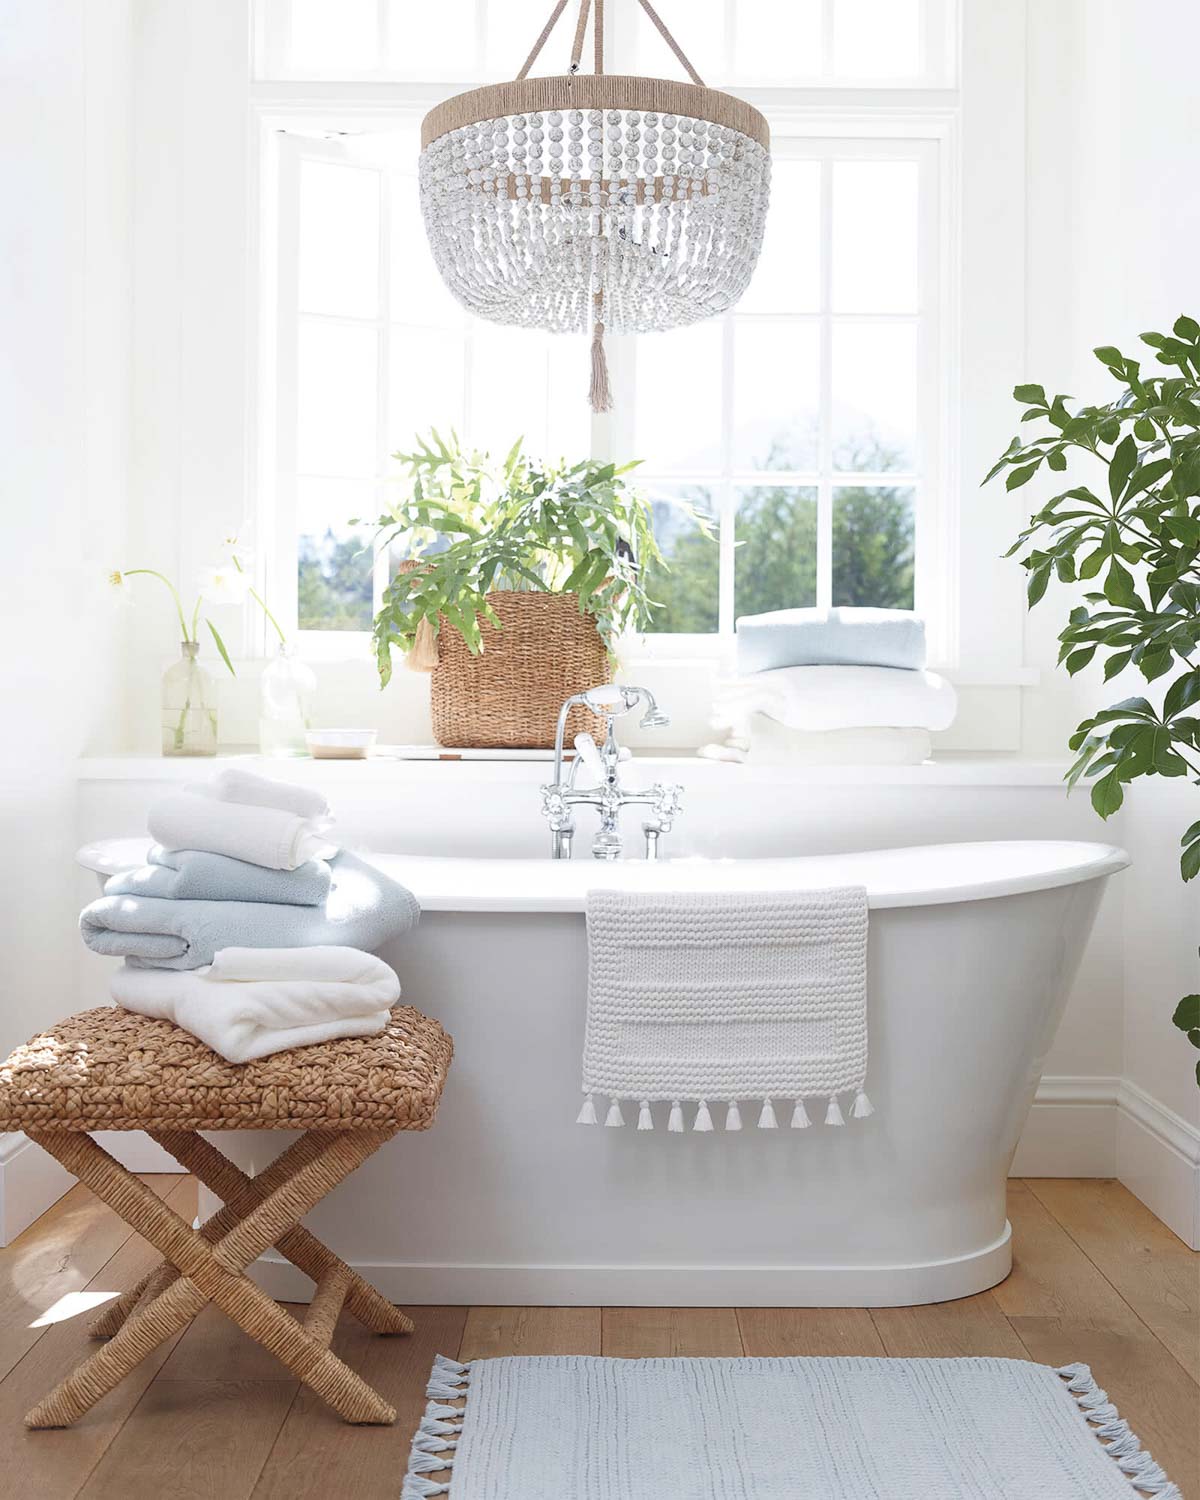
570	1428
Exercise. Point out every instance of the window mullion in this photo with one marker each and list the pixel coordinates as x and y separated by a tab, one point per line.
279	521
726	496
383	367
825	399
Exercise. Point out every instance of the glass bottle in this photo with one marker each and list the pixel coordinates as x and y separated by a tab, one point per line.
189	706
286	704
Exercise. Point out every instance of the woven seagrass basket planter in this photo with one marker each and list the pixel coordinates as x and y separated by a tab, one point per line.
508	697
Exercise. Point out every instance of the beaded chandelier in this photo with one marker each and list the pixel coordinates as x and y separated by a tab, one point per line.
595	201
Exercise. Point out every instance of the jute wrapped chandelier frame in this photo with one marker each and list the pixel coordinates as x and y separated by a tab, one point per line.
594	200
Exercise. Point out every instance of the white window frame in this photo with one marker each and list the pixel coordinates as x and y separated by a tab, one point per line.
804	127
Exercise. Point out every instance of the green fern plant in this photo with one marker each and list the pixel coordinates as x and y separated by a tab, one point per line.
476	525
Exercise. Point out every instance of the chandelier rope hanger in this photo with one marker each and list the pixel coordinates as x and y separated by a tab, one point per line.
598	201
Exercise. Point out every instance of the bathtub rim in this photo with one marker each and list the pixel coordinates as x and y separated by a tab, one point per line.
532	884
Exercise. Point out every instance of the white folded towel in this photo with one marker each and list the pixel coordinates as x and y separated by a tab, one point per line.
236	784
251	1002
821	698
774	744
269	836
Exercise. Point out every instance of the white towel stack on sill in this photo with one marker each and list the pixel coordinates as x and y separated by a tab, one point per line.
840	686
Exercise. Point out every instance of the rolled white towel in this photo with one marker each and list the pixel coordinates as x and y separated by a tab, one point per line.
236	784
266	836
824	698
243	1019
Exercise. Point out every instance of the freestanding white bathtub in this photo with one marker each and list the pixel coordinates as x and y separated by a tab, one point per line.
506	1200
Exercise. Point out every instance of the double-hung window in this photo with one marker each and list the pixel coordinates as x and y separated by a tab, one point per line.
808	427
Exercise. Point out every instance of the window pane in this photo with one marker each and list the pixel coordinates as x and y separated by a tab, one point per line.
679	398
339	239
874	396
511	391
438	41
568	416
418	293
335	386
334	562
877	38
513	27
775	562
775	399
698	26
873	546
686	588
426	386
875	236
778	41
788	275
325	39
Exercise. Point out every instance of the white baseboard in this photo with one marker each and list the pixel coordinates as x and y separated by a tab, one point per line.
137	1151
1158	1160
30	1181
1071	1130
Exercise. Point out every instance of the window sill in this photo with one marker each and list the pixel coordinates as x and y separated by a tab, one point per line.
387	768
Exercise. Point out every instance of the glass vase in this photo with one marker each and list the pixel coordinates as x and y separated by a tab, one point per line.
286	704
189	706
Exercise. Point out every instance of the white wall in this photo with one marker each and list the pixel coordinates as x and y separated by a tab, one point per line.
1112	232
65	133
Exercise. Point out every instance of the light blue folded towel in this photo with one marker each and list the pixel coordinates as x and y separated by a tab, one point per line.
838	637
363	910
194	875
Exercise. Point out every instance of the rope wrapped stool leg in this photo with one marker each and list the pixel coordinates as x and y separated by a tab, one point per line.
215	1272
241	1193
299	1152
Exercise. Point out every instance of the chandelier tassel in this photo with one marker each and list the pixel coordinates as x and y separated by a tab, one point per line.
599	393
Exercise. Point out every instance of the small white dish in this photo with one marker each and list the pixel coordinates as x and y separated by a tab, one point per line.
340	744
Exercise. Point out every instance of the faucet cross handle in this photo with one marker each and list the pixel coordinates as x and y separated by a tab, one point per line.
666	796
555	807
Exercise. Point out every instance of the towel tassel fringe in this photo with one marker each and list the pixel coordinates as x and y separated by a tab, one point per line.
862	1106
833	1115
766	1117
587	1115
733	1116
800	1120
614	1119
703	1120
675	1120
645	1118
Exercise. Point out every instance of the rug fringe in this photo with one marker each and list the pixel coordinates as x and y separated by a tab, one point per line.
436	1437
1116	1437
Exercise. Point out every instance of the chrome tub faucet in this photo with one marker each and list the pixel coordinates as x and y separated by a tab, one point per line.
606	795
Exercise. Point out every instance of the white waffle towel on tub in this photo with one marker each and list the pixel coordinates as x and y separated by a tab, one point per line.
726	996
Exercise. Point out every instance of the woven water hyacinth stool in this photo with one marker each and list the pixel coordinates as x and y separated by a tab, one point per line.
109	1069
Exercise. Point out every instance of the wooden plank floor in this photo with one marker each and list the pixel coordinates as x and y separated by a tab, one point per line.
1097	1278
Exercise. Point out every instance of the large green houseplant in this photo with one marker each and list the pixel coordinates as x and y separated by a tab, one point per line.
1133	528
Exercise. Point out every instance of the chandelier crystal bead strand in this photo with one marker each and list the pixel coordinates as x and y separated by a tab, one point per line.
594	202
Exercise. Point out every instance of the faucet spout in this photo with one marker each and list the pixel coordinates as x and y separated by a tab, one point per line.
607	795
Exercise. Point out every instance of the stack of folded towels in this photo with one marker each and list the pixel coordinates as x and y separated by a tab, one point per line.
832	686
247	925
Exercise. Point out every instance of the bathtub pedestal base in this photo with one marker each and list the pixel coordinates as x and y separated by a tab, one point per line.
670	1286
